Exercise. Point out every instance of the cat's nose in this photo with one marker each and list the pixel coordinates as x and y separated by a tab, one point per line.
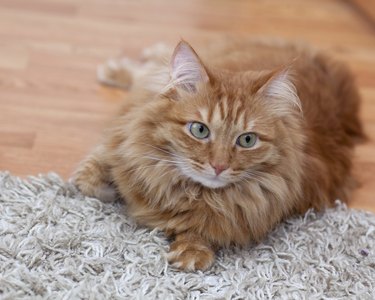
219	168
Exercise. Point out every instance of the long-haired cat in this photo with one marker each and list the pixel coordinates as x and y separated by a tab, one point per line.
217	149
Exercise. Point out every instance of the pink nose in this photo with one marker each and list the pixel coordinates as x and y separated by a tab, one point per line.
219	168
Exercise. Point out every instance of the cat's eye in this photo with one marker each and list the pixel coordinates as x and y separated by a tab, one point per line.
247	140
199	130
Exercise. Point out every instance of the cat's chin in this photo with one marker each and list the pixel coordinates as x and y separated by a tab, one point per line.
214	183
210	182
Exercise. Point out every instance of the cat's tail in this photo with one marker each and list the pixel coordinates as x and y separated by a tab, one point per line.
115	73
345	89
350	98
125	73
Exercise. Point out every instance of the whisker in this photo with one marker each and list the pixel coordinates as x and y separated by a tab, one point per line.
150	166
153	158
251	176
264	175
160	149
162	160
173	163
182	158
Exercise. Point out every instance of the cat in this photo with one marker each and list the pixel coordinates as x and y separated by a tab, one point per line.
217	149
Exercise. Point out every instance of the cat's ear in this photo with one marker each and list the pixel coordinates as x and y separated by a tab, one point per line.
187	69
280	92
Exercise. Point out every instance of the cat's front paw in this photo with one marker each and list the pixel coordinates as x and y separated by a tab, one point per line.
103	192
190	255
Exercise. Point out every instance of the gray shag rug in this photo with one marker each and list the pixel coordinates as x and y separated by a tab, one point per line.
57	244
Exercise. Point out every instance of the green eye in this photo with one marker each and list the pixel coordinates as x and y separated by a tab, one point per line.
199	130
247	140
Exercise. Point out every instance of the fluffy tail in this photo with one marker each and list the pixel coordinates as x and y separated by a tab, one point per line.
116	73
124	73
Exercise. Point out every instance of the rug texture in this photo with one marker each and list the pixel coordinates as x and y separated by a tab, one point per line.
57	244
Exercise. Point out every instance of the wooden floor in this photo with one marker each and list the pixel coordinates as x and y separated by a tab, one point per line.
52	110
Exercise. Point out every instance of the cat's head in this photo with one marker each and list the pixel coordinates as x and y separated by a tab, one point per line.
224	127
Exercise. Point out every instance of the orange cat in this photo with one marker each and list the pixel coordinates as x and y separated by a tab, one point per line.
218	150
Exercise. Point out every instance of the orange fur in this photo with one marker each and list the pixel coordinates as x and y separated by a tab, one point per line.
302	105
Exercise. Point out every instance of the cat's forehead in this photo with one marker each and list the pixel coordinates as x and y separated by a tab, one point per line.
225	111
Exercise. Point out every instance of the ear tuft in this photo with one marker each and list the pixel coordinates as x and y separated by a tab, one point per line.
187	70
282	91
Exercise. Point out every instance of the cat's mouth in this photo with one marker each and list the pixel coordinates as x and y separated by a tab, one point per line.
207	180
213	182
